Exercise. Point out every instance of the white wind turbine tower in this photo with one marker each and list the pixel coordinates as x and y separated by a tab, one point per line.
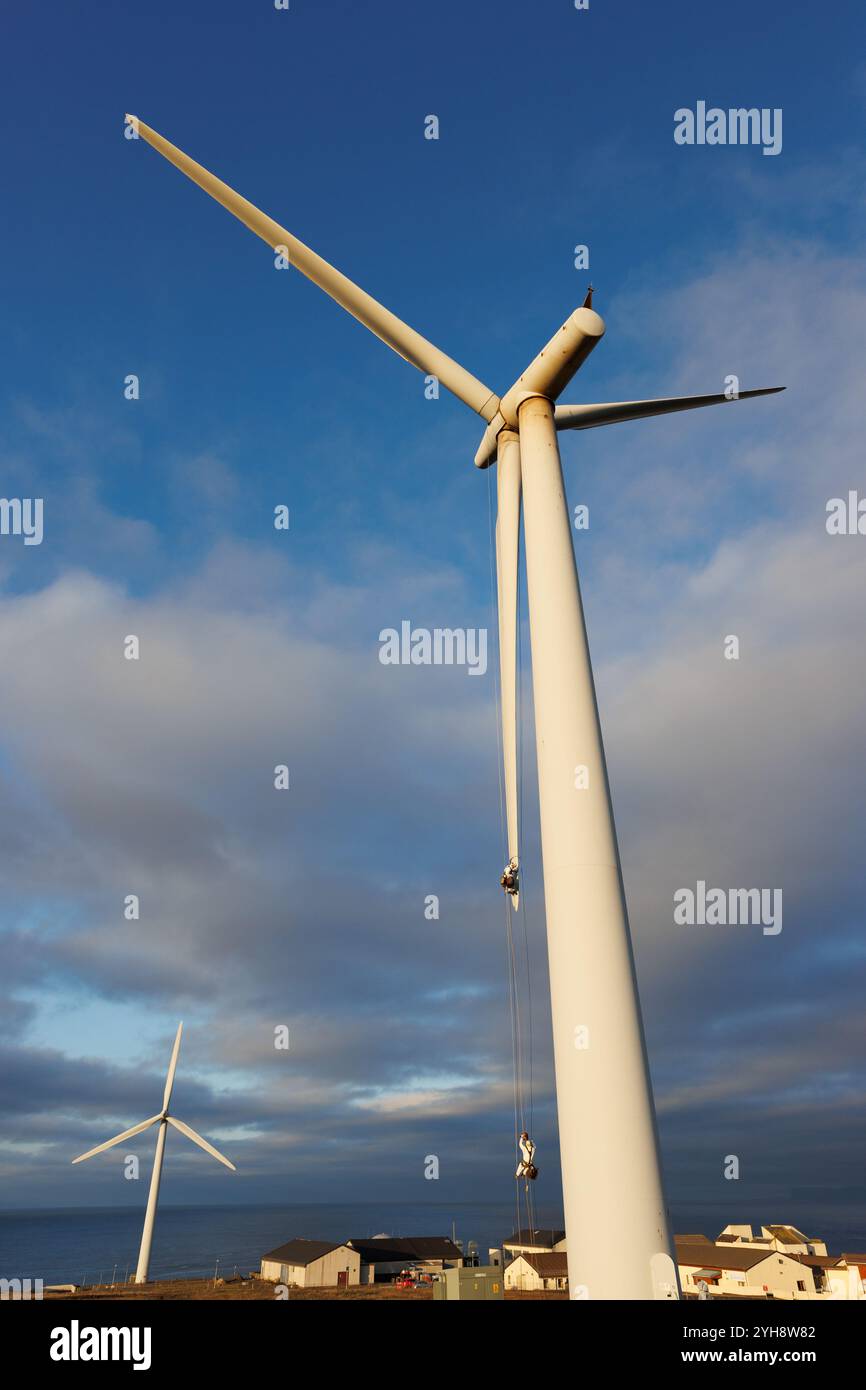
612	1189
163	1119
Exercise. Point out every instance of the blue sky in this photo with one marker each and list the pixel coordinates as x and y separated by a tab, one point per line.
556	128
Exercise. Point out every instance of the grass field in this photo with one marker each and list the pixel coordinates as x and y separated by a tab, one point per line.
257	1289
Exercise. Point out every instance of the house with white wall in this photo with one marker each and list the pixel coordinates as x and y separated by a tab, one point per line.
787	1239
835	1276
742	1271
304	1264
532	1241
543	1270
857	1262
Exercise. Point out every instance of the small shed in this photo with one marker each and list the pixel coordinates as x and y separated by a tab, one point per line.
477	1284
304	1264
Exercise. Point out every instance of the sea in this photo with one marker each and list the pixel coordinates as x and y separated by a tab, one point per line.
99	1245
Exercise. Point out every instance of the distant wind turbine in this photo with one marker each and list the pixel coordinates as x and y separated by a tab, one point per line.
618	1239
163	1119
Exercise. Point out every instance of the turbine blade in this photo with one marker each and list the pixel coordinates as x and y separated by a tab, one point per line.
398	335
119	1138
172	1068
587	417
202	1143
507	542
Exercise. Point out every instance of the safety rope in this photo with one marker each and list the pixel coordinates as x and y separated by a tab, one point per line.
521	841
512	971
530	1127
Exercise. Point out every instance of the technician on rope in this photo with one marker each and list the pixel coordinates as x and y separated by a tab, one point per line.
526	1168
510	879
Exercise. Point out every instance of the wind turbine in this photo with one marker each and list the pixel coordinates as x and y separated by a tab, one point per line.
163	1119
619	1244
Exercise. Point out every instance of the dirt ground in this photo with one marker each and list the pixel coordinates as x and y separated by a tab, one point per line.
258	1289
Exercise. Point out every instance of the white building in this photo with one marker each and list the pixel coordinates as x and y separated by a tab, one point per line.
785	1238
755	1269
534	1242
858	1263
305	1264
743	1271
836	1276
543	1270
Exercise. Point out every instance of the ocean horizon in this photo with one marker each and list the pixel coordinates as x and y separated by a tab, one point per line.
84	1245
89	1245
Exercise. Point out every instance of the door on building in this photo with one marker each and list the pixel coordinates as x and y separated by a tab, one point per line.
342	1278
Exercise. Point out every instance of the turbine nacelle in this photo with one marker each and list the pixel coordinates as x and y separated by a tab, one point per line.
547	374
